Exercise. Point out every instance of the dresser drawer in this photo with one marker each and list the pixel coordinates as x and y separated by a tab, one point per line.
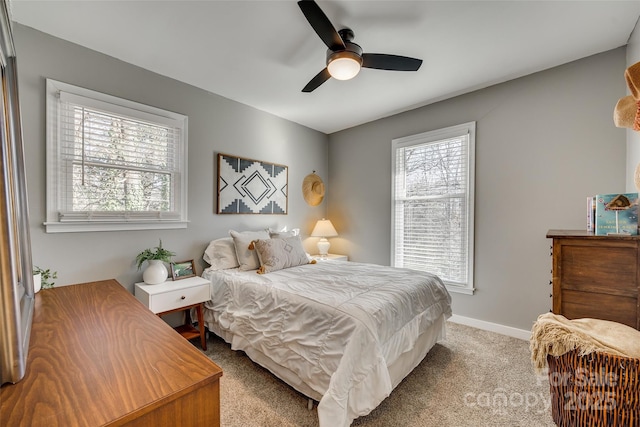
602	269
173	299
576	305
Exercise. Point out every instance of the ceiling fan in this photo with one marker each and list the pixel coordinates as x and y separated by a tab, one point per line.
344	57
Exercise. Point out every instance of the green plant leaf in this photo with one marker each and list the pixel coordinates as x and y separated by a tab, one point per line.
160	253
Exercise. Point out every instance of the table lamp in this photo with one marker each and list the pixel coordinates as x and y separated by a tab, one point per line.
324	229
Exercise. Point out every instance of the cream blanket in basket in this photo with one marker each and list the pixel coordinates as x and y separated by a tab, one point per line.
555	335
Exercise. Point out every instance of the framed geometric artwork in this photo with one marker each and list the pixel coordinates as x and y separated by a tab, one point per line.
247	186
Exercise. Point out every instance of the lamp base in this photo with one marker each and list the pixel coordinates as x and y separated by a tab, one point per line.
323	247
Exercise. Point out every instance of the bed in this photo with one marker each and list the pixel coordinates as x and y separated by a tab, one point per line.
342	333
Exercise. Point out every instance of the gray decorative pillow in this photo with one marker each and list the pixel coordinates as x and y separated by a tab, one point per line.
247	258
221	254
277	254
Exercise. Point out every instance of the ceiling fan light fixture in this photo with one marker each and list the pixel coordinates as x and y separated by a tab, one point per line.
344	57
344	65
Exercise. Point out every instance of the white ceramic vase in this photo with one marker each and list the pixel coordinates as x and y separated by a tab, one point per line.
155	273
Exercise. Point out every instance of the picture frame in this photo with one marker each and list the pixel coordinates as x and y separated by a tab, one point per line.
249	186
183	269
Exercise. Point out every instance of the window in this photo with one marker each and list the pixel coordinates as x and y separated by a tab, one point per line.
432	218
113	164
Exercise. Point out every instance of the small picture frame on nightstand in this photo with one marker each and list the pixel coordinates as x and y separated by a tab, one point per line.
183	269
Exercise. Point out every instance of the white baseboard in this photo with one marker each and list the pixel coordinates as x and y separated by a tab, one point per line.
491	327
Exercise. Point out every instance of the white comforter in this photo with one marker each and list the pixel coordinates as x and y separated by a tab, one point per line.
336	325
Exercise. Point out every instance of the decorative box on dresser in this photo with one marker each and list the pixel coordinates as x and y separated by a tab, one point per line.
98	357
596	276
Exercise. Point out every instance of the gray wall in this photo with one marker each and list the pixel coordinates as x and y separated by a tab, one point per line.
543	144
216	124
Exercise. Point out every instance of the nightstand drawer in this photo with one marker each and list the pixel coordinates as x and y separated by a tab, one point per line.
170	300
169	295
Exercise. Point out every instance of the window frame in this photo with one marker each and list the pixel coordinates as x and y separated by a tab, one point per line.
431	137
56	176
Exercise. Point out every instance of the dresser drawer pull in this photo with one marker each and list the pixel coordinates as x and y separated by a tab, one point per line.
182	297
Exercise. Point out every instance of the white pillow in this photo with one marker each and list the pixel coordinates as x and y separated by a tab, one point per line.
282	234
247	258
277	254
221	254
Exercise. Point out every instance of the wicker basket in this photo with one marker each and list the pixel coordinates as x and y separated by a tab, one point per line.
597	389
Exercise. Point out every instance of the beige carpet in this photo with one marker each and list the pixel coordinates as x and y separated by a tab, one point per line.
474	378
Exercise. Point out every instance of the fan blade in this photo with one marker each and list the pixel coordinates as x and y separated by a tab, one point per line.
321	24
320	78
380	61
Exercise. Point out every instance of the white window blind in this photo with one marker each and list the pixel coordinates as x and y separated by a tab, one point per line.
113	164
433	204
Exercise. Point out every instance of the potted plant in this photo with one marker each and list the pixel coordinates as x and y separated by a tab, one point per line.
156	272
46	278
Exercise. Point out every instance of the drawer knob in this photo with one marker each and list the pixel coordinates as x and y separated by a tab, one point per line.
182	297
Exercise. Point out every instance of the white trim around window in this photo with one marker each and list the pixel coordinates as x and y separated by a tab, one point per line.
113	164
432	226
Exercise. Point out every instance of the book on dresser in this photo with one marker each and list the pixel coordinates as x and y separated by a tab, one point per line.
616	213
591	213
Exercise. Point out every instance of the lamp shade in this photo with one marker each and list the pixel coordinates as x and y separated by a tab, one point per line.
344	65
324	228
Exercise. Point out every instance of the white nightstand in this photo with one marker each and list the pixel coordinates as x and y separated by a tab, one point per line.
172	296
330	257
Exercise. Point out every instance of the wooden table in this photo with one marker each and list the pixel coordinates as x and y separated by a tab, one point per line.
98	357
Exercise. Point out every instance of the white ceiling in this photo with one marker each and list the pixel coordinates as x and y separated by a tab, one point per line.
262	53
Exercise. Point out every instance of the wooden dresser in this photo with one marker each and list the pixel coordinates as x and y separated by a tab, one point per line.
98	357
596	276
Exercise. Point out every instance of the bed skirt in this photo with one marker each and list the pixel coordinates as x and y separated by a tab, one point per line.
398	370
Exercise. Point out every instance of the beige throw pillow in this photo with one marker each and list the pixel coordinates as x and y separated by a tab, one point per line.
247	258
277	254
